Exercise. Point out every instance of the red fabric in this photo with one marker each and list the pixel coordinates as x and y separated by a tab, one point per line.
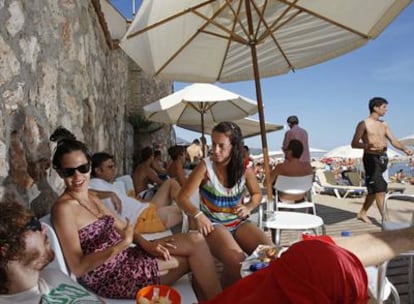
312	271
247	163
323	238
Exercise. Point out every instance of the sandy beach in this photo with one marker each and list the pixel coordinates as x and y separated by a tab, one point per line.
340	214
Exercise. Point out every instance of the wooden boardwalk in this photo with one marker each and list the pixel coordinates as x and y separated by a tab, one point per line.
340	215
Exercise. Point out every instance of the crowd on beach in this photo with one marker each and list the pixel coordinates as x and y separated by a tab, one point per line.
100	220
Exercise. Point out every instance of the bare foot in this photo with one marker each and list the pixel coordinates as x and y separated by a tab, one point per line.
364	218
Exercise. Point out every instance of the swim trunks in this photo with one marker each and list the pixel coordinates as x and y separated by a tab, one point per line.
374	166
147	194
149	221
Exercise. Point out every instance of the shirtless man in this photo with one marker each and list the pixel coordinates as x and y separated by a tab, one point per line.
176	167
145	175
159	165
371	135
292	166
195	152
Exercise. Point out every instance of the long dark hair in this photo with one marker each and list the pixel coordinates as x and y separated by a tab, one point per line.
66	143
235	168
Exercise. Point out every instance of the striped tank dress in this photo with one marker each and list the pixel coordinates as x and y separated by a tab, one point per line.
217	202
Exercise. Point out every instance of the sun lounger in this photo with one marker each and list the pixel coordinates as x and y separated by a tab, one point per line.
392	188
354	178
327	183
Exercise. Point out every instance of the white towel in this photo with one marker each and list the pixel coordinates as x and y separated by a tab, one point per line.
131	207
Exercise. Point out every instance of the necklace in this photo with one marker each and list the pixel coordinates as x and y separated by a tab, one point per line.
96	213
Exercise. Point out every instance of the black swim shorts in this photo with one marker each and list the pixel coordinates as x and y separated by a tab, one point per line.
375	165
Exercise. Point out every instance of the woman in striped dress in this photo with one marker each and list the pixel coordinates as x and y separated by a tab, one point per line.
222	215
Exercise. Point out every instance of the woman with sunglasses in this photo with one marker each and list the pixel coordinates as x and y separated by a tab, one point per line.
222	217
98	246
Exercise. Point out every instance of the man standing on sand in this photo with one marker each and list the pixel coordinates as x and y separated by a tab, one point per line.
371	135
298	133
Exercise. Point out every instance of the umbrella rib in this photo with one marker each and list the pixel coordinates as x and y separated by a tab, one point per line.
270	32
161	22
303	9
229	42
172	57
187	104
201	29
232	35
236	17
276	25
204	106
260	14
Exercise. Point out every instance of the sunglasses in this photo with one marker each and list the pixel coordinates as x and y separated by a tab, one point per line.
68	172
33	225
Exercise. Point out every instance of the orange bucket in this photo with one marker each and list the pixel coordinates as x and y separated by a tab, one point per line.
145	295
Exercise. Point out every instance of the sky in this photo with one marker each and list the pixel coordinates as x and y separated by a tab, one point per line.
332	97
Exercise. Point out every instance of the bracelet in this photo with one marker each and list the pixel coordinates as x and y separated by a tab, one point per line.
198	214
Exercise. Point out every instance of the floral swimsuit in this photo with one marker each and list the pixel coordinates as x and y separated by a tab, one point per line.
122	275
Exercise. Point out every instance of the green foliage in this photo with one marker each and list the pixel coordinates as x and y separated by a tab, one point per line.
142	125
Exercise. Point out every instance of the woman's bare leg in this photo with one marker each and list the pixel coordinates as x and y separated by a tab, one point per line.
225	248
377	247
193	254
249	236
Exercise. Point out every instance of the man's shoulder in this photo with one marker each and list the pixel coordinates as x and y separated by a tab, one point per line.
279	168
142	171
302	130
59	287
52	275
96	182
53	287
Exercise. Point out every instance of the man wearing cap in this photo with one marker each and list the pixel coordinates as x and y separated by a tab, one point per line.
296	132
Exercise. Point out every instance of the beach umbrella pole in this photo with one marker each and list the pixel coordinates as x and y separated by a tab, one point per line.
202	132
259	104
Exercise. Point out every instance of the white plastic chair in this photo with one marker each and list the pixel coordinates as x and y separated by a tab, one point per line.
379	286
390	222
183	285
294	185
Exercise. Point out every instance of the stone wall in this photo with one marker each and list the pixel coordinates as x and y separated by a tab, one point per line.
144	90
57	68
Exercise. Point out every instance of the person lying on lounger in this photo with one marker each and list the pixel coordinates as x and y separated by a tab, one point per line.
147	217
24	253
